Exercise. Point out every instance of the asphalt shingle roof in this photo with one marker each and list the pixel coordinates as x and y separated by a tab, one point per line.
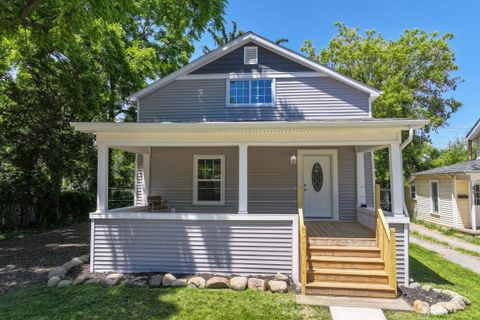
467	166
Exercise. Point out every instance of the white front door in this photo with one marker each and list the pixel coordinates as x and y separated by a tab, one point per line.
317	186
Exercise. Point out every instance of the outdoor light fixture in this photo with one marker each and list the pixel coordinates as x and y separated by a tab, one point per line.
293	159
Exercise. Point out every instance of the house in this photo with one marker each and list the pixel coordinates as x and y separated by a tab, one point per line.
450	195
265	158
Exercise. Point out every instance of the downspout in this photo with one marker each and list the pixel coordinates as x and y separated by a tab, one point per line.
405	143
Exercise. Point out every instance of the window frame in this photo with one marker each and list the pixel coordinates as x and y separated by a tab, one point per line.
197	157
250	104
245	55
414	186
476	195
431	196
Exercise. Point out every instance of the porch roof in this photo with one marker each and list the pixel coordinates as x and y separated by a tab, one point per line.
242	126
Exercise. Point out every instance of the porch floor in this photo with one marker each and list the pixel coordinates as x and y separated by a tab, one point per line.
338	229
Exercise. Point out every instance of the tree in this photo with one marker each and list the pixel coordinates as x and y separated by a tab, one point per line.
63	61
455	152
415	74
220	35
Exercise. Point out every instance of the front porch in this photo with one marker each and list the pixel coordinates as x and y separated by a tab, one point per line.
338	229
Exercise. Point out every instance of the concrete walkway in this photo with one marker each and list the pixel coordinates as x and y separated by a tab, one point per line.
464	260
345	313
452	241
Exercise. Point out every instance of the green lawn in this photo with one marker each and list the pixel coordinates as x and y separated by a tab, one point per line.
97	302
450	232
445	244
428	267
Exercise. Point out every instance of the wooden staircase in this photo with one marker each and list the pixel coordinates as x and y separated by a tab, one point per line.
352	267
346	267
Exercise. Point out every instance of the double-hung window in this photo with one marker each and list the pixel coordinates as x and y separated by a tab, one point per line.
258	92
413	191
476	194
209	179
434	194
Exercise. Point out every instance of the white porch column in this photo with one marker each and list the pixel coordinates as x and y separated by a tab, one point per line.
146	177
243	179
102	178
396	179
361	197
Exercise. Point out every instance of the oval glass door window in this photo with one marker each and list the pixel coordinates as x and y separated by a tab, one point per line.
317	177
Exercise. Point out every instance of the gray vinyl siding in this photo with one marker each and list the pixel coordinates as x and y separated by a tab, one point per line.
268	62
171	176
180	246
402	251
204	100
369	179
424	201
272	181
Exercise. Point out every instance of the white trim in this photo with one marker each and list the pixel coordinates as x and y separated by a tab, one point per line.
253	75
94	127
195	201
148	215
237	43
361	192
406	253
92	244
295	251
242	179
255	61
102	177
250	104
397	220
474	132
430	182
454	201
473	211
396	178
333	153
146	175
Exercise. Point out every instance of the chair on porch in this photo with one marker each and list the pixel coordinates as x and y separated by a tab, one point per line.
156	203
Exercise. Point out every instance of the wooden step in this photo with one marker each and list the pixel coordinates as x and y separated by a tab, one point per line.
319	262
344	251
349	242
350	289
347	275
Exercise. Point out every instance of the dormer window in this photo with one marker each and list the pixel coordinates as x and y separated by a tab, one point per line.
250	55
255	92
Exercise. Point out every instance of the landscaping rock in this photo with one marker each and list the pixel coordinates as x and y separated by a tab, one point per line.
155	281
68	265
76	262
64	283
421	307
280	277
415	285
80	279
113	279
238	283
277	286
196	282
457	304
436	290
257	284
438	310
426	287
53	281
57	272
450	293
93	281
85	258
139	282
217	283
168	279
179	283
465	300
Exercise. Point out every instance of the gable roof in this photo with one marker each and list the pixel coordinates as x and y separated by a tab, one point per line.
242	40
474	133
462	167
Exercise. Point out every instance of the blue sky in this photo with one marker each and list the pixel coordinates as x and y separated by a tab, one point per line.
300	20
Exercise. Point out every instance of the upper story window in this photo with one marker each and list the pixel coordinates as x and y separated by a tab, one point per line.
250	55
251	92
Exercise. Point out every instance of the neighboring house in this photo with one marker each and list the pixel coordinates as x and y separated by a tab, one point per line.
243	142
450	195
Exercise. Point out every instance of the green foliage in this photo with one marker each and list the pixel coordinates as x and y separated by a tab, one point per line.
63	61
99	302
454	153
415	74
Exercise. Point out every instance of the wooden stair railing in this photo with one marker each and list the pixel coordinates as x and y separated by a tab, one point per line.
303	241
386	242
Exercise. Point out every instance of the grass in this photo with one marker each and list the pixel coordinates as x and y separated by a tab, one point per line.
445	244
428	267
450	232
98	302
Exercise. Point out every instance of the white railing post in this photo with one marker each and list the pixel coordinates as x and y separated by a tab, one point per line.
396	179
102	178
243	179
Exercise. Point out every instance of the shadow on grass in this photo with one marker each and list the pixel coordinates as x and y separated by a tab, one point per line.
422	273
